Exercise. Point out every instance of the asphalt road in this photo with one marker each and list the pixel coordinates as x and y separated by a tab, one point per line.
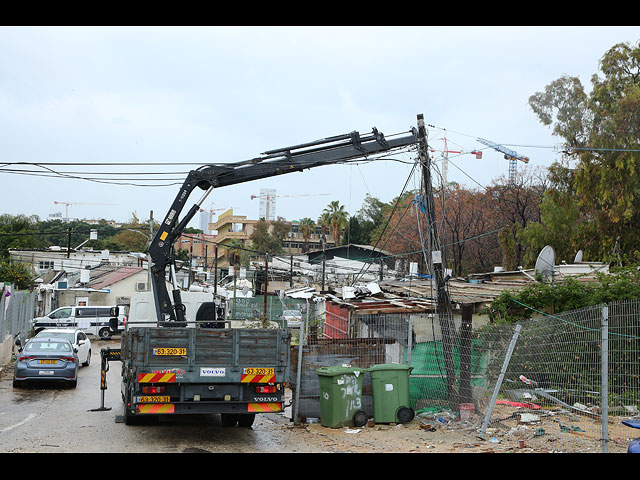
51	418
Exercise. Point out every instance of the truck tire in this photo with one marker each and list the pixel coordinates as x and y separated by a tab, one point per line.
229	419
105	333
246	420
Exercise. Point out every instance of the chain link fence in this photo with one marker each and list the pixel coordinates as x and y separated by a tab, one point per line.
576	372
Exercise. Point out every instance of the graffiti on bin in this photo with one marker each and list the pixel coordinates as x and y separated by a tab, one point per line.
351	393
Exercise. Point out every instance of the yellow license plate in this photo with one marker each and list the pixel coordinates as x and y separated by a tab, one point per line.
48	362
169	351
258	371
153	399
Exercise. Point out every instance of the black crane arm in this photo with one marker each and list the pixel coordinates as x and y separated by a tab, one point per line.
326	151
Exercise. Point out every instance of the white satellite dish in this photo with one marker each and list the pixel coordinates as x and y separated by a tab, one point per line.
545	264
578	258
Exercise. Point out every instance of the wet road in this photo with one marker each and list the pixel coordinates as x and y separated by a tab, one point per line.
51	418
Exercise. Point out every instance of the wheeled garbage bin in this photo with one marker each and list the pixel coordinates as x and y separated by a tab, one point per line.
390	385
341	397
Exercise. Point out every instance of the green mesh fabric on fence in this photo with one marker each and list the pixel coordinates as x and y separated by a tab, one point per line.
428	377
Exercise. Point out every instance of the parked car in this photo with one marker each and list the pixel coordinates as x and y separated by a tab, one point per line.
46	359
293	318
77	337
91	320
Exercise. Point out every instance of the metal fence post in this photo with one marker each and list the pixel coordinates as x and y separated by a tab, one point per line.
496	389
604	393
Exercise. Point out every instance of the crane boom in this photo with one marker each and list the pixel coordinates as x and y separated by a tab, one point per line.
326	151
509	154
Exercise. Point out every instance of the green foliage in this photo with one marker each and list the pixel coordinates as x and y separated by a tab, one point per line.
566	294
267	236
601	131
15	273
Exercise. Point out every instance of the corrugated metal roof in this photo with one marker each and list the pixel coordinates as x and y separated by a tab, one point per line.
104	276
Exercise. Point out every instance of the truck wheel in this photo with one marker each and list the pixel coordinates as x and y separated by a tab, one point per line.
104	333
228	419
246	420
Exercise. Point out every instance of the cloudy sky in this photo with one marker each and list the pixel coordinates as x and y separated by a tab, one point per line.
172	99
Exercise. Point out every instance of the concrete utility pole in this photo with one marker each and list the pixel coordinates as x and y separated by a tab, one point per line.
436	266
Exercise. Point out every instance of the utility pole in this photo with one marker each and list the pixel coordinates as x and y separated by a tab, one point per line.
443	308
69	243
149	256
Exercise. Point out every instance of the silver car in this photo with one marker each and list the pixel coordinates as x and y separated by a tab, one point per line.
78	339
46	359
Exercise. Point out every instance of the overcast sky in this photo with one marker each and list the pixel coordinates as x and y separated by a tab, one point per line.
190	96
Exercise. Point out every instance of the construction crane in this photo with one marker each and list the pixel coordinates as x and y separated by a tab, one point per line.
445	159
509	154
300	195
67	204
267	197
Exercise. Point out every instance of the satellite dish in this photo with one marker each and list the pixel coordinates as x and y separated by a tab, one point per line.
578	258
545	264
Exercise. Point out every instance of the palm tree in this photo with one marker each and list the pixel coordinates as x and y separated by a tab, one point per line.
323	221
306	227
233	250
338	219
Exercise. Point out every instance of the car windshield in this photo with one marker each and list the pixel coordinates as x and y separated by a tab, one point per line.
292	313
66	335
48	346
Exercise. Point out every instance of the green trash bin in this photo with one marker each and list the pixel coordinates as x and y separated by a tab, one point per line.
341	397
390	385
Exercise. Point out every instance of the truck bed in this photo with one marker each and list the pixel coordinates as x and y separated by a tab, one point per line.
223	354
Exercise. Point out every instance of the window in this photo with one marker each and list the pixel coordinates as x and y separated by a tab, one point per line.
45	264
104	312
85	312
62	313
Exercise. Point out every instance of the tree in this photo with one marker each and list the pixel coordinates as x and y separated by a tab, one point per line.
367	220
515	206
233	251
15	273
337	219
267	236
22	227
601	130
306	227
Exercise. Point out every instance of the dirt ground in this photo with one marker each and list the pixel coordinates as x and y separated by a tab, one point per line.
516	431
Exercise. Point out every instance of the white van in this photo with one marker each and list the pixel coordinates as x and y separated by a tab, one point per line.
93	320
142	312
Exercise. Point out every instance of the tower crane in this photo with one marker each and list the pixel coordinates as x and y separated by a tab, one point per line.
300	195
67	204
445	158
509	154
267	197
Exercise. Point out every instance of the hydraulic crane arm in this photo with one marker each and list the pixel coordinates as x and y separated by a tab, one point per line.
326	151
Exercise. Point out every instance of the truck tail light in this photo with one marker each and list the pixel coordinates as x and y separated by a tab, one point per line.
153	390
266	389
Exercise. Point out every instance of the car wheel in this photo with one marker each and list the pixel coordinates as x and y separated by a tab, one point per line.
17	383
86	364
74	383
104	333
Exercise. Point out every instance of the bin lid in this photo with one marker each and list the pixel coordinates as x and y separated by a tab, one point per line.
339	370
390	366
